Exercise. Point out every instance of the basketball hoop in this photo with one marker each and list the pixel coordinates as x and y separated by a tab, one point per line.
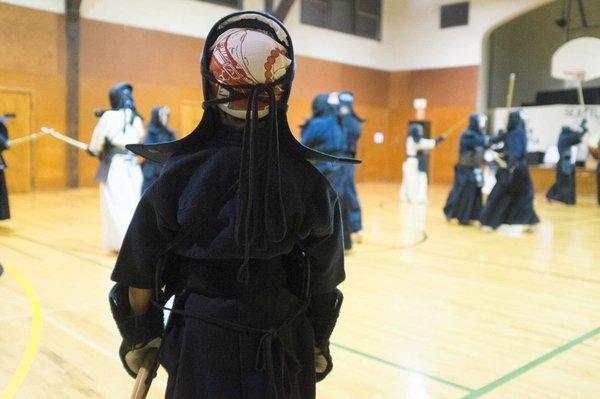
575	74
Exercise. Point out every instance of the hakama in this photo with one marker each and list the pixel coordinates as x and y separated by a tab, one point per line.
414	175
511	200
120	176
4	207
563	189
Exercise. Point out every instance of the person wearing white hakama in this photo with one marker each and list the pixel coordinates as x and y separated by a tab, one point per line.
119	174
414	169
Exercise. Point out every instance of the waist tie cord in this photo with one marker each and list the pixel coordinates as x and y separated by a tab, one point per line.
272	358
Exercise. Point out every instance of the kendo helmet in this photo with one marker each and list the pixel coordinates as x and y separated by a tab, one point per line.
239	59
515	119
219	90
121	96
415	130
347	104
477	122
325	104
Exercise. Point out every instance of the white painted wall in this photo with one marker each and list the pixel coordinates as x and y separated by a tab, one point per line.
411	37
57	6
421	44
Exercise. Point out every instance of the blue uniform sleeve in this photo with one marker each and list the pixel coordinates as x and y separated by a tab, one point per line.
3	137
314	135
516	143
470	141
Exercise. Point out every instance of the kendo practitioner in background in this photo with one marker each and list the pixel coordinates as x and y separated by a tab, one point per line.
414	170
119	175
464	202
158	132
511	199
323	132
4	145
243	229
352	129
563	189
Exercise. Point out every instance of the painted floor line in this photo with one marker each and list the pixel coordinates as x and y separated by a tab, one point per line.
94	345
33	341
43	244
525	270
534	363
401	367
84	305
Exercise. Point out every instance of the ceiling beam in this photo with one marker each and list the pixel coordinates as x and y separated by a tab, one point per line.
283	9
584	21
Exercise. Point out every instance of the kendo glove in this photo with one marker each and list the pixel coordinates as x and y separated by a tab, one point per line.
323	313
139	333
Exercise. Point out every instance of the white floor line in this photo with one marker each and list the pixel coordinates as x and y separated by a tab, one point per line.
15	317
93	344
82	305
54	310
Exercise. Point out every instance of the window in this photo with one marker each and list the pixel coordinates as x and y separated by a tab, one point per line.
227	3
456	14
357	17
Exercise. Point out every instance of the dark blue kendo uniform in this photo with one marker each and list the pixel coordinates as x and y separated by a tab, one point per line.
324	133
563	189
352	128
4	207
157	133
511	199
464	201
247	234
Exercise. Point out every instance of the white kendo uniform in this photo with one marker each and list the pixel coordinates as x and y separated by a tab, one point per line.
414	182
120	193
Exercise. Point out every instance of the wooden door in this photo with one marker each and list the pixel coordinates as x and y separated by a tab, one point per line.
18	158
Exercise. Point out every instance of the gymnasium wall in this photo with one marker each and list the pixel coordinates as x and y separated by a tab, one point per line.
32	54
164	69
409	27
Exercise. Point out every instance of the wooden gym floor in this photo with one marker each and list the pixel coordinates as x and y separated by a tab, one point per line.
432	310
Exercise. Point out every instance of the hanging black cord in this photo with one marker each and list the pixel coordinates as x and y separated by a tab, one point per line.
247	211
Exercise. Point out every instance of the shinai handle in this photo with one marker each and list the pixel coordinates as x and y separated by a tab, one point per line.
140	388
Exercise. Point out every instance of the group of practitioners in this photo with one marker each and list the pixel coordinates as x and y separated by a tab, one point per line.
121	177
511	200
335	128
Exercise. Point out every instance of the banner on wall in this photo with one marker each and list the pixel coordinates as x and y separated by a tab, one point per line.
543	124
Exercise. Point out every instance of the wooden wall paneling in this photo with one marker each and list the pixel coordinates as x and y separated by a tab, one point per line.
164	70
191	114
32	53
544	178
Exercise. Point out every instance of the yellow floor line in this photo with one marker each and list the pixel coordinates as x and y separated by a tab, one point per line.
34	335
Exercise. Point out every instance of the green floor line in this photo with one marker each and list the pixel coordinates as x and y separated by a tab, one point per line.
534	363
73	254
401	367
